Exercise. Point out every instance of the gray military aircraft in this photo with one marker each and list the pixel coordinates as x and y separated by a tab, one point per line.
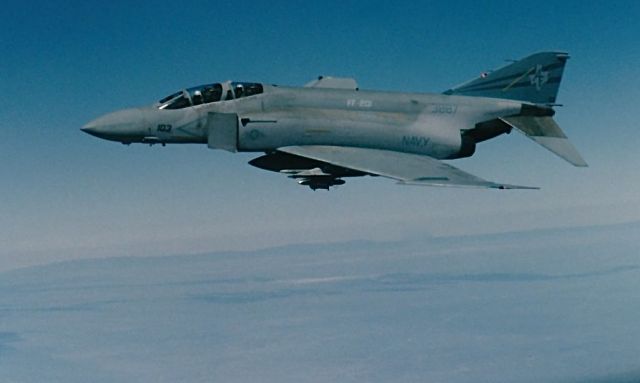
330	129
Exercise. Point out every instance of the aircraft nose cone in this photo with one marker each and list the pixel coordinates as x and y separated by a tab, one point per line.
123	125
91	128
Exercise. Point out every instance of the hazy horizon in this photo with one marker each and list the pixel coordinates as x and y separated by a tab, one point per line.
556	306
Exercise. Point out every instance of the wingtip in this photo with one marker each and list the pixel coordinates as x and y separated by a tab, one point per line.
487	185
581	165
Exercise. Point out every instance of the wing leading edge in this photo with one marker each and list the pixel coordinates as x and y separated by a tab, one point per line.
407	169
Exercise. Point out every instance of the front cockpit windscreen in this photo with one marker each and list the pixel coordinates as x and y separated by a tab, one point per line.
205	94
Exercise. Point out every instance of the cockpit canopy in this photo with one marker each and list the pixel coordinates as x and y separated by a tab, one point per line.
205	94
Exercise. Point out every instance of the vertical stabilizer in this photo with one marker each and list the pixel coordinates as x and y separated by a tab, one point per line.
535	79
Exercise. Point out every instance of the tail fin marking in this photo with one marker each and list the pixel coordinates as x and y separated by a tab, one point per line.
535	78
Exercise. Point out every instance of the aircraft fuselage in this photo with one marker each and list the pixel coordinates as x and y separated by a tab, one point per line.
329	129
428	124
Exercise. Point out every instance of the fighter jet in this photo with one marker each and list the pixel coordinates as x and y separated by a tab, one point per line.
330	129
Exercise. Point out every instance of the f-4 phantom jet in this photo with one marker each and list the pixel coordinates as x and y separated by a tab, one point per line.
329	129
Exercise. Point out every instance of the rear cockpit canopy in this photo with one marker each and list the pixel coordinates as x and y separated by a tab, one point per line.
205	94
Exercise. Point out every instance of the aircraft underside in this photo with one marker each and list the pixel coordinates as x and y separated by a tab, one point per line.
307	172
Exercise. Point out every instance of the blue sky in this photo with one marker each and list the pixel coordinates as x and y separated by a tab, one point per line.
66	194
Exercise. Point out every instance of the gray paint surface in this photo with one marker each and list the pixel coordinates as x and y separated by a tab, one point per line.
335	113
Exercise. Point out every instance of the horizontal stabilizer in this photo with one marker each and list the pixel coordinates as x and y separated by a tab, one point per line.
548	134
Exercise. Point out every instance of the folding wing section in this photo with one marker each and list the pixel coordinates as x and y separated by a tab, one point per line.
406	168
333	83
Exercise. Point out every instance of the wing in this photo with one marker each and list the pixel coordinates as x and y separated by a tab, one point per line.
333	83
409	169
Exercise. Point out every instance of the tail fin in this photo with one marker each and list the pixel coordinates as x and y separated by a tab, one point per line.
535	78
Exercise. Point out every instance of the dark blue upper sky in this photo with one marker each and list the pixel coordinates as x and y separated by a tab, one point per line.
64	63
